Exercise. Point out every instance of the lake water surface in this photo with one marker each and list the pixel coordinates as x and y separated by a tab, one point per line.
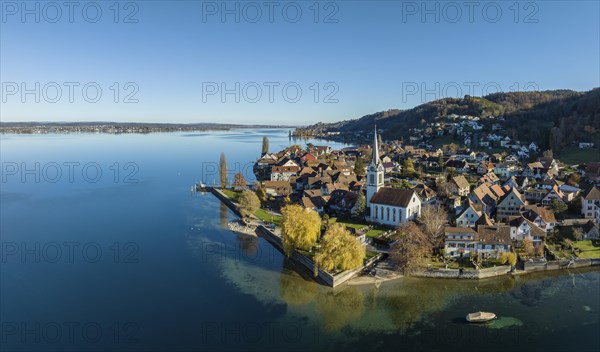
104	247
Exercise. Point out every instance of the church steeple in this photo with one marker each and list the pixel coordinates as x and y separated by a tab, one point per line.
375	148
375	171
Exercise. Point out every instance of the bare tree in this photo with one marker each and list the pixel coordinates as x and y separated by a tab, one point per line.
434	219
444	188
412	249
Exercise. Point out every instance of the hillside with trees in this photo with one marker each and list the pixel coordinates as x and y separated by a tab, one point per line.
552	119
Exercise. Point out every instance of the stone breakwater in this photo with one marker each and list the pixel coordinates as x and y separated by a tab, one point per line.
237	227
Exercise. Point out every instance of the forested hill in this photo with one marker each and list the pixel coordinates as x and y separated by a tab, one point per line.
549	118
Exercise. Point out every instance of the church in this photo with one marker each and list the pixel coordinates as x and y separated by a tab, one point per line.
388	206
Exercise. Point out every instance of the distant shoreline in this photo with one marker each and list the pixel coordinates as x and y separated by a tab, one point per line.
118	128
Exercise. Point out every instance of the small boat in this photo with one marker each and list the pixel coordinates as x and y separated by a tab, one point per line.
480	317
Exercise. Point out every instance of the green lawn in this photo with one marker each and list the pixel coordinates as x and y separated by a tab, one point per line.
558	252
574	155
268	217
459	263
370	254
353	225
589	249
375	232
231	194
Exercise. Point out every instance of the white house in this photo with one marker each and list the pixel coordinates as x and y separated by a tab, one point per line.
590	203
533	147
583	145
460	241
521	228
468	217
283	173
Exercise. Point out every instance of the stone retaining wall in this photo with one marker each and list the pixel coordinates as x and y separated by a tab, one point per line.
466	274
560	264
323	276
223	198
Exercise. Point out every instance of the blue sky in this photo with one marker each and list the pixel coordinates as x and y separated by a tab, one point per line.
351	58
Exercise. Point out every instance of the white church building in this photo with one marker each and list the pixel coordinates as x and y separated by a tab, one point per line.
388	206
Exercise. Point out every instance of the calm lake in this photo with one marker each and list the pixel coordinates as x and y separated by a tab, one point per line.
104	247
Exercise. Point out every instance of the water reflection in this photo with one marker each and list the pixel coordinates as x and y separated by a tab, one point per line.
338	309
223	216
248	244
297	290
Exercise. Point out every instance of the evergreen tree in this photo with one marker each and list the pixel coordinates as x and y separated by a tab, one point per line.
223	170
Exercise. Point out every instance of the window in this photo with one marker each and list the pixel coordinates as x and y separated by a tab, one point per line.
375	215
380	178
371	179
388	214
394	214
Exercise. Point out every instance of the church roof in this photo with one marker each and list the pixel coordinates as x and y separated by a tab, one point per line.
393	196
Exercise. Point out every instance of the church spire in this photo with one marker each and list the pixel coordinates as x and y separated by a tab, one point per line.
375	148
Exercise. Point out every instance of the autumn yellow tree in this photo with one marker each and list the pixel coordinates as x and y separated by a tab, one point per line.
261	193
528	247
508	258
300	228
239	182
248	202
339	250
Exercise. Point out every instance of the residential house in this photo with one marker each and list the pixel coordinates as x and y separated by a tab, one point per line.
570	192
283	173
499	191
341	202
484	167
590	203
534	147
468	217
489	179
391	166
483	198
550	165
521	228
505	170
553	195
461	166
519	182
583	145
536	171
426	194
278	188
541	216
315	203
590	231
510	204
460	241
460	186
492	241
